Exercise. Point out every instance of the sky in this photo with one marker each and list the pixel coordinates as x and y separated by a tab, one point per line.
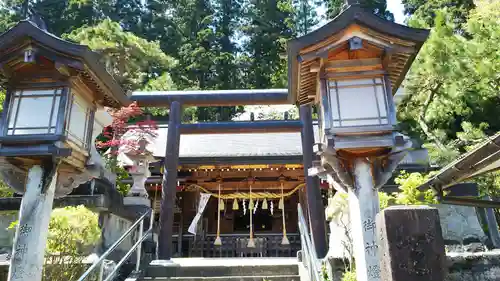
396	7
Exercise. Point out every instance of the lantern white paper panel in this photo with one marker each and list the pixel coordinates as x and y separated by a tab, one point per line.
30	112
78	122
360	102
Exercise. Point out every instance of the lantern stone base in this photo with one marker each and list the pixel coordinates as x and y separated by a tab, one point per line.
136	200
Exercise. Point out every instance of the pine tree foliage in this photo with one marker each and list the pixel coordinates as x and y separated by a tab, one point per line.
306	16
131	60
424	12
452	89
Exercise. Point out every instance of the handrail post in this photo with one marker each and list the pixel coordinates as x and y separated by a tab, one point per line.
101	259
152	219
309	256
101	271
139	247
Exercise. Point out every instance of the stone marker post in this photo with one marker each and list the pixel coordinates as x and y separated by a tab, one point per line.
411	245
363	208
31	234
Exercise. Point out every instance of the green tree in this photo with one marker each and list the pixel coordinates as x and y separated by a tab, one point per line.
193	42
60	16
453	85
423	12
10	13
73	233
305	15
378	7
227	71
132	60
409	194
270	24
5	190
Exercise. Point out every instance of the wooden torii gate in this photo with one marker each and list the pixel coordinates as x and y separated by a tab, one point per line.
176	99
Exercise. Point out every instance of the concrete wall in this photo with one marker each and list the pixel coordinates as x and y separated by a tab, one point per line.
460	224
112	227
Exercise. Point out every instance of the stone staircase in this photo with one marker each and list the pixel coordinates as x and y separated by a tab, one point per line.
219	269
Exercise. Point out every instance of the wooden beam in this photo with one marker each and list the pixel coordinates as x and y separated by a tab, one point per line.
353	63
354	74
315	67
62	68
213	97
386	58
322	52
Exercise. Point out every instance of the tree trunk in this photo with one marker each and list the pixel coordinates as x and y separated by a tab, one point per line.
421	118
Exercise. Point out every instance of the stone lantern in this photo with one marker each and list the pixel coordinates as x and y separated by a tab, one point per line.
136	157
350	69
54	88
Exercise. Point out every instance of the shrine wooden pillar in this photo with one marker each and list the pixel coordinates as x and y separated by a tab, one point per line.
169	183
316	211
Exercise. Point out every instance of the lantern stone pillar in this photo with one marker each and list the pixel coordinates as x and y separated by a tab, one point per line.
350	69
46	145
363	208
32	231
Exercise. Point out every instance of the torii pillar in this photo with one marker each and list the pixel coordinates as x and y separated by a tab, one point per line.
169	184
316	210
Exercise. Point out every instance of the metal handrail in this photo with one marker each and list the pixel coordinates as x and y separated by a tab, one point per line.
309	256
136	247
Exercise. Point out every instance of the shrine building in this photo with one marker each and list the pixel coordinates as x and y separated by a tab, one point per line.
235	166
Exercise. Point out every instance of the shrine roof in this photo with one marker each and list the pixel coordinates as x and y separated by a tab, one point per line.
263	148
251	148
484	158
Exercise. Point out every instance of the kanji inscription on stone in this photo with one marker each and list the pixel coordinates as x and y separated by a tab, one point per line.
411	244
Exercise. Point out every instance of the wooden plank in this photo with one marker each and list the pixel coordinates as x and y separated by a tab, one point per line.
328	43
307	83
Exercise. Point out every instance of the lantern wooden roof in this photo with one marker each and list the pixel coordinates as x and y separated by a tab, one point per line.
51	52
387	48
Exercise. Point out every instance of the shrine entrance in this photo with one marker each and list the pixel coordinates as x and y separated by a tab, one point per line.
251	210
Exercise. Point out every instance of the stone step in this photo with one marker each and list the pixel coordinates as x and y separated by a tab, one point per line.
246	267
227	278
216	271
